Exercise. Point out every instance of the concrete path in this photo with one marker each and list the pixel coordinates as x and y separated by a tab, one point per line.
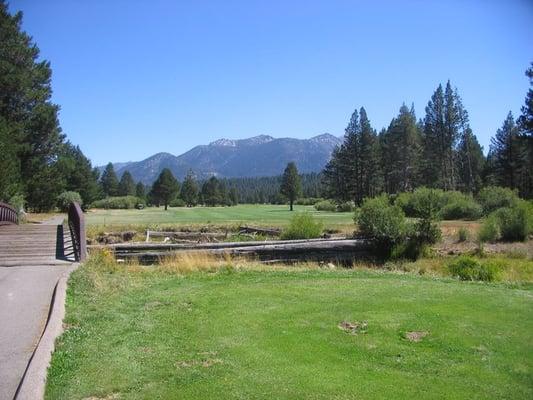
32	260
25	297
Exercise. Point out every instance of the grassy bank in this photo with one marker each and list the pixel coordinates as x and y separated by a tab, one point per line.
261	333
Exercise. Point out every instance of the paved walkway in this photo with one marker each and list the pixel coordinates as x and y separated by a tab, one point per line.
32	259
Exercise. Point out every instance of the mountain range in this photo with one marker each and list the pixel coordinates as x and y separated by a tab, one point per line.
257	156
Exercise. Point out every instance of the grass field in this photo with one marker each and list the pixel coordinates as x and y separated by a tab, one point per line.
276	215
273	334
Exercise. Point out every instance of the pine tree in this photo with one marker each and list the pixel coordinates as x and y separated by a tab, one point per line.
350	158
291	186
166	187
444	124
30	136
507	153
109	181
334	181
369	173
189	190
233	196
401	147
471	163
211	192
140	191
126	186
77	173
525	122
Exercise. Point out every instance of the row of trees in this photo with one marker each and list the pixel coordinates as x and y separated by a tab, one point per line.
439	151
167	189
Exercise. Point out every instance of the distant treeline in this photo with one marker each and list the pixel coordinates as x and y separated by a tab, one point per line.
213	191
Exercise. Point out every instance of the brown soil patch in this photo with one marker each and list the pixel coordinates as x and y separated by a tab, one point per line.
353	328
108	397
416	336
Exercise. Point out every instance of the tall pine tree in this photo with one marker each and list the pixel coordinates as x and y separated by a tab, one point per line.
109	181
30	136
525	122
506	154
401	147
291	186
471	163
126	186
166	187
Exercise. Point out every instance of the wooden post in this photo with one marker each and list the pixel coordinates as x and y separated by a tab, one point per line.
76	222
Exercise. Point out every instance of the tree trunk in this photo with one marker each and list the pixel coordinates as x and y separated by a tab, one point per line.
166	206
291	202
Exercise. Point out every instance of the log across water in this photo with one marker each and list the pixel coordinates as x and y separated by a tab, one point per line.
325	250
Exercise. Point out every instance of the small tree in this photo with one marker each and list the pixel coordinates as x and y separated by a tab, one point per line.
291	186
211	194
166	187
126	186
109	181
189	190
140	191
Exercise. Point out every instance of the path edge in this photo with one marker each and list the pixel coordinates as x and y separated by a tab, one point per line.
33	382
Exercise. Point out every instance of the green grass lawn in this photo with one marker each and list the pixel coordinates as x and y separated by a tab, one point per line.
273	334
242	213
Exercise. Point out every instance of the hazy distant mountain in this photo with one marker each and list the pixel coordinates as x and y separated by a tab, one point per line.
257	156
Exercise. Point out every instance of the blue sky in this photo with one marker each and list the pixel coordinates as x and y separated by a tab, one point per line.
134	78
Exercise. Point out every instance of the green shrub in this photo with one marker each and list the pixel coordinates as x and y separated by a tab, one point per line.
18	202
489	231
513	223
121	202
325	205
302	226
470	269
348	206
177	202
382	222
65	198
462	235
460	206
493	197
448	205
426	231
510	224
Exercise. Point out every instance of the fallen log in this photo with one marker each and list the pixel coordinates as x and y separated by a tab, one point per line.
186	235
261	231
345	250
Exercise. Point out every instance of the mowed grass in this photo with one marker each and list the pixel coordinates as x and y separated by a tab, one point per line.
277	215
273	333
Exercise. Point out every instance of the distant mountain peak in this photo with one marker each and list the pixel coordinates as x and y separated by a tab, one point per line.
259	139
223	142
255	140
260	155
325	138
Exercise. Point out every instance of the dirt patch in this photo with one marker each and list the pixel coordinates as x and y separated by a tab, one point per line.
205	363
416	336
205	359
108	397
353	328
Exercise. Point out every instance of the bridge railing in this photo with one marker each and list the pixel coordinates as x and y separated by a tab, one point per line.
76	223
8	215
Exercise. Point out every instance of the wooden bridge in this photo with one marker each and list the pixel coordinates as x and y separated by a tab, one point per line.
33	258
52	242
